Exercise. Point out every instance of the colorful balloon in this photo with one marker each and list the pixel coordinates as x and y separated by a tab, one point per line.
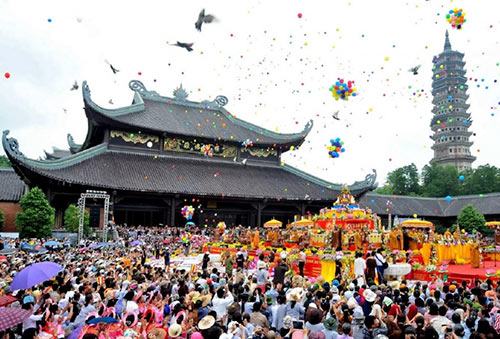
343	90
208	150
187	212
456	18
336	147
247	143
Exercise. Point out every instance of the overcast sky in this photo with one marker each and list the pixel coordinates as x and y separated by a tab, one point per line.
274	67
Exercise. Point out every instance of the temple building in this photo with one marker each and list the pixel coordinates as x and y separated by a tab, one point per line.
162	153
451	121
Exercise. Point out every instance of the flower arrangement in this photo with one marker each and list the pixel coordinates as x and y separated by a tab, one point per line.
443	268
430	268
328	257
417	267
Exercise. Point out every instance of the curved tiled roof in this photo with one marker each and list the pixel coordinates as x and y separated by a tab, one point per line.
487	204
100	167
11	187
178	116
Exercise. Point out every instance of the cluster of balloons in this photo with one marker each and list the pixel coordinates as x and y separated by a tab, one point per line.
187	212
247	143
186	238
208	151
342	90
335	148
456	18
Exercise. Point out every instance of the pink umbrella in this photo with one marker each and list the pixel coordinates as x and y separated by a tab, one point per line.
12	316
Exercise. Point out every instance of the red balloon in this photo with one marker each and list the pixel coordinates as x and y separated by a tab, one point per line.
350	90
341	81
336	87
299	15
7	75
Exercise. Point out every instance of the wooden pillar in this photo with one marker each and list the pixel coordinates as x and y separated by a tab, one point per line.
259	215
173	202
302	209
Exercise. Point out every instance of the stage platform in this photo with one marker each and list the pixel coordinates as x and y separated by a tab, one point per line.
469	274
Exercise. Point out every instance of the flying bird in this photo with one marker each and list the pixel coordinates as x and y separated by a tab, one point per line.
112	68
74	87
184	45
202	18
111	101
336	115
414	70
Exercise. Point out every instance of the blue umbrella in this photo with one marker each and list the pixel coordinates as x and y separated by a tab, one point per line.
105	320
53	243
135	243
34	274
190	223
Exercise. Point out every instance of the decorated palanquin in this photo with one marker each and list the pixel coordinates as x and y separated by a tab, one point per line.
357	225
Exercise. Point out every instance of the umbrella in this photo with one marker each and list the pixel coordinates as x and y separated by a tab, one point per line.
8	251
190	223
135	243
52	243
7	300
76	332
12	316
94	246
2	257
34	274
105	320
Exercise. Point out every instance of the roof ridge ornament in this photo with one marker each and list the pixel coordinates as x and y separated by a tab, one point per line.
180	94
12	145
137	86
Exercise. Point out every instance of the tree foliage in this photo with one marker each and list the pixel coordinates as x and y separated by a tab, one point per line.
2	220
472	221
71	220
4	161
437	181
37	218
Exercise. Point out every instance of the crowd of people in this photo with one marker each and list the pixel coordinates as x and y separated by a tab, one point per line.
120	290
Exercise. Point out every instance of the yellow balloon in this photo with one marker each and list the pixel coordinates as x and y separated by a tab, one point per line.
415	216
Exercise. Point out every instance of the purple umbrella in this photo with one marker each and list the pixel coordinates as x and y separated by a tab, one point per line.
135	243
76	332
34	274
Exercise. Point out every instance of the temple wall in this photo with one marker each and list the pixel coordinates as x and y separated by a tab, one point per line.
10	209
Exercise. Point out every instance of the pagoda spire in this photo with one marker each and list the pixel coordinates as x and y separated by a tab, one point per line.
447	44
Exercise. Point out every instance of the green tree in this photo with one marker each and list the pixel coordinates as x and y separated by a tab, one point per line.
2	220
71	220
403	181
482	180
4	161
440	181
37	218
472	221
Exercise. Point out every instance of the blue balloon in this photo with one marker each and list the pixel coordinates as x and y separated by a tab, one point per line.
354	94
342	150
461	178
448	198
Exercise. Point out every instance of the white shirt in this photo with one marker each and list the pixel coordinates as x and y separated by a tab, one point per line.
379	258
131	306
220	304
359	267
31	321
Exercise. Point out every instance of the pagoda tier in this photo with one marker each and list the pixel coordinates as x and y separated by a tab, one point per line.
102	168
177	117
451	121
